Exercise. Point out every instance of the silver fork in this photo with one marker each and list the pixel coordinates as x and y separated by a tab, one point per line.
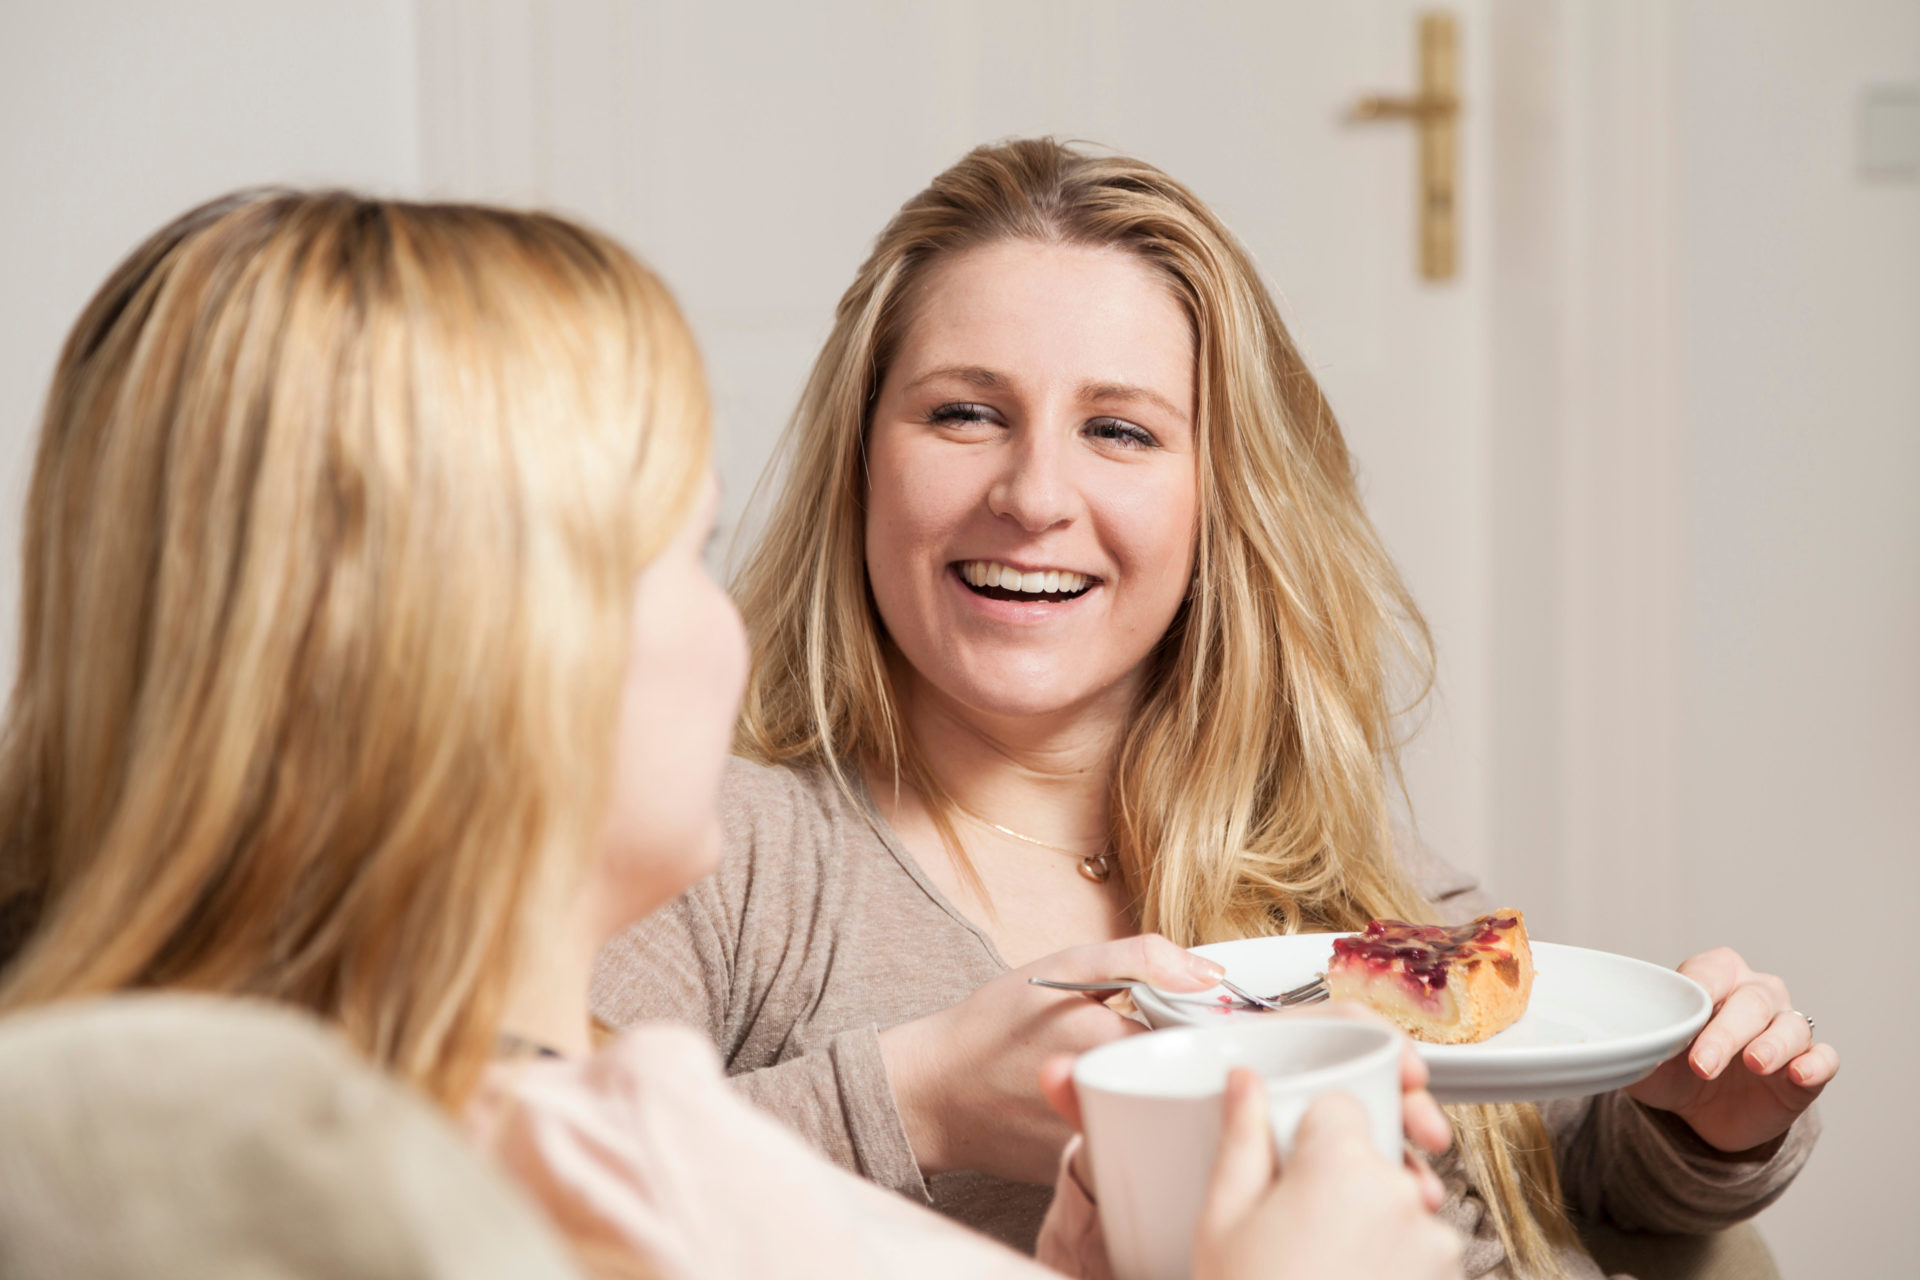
1307	993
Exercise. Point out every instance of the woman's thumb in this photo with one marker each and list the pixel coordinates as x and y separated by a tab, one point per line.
1244	1166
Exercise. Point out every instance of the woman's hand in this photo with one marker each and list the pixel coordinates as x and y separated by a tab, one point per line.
1426	1124
963	1078
1752	1069
1337	1210
1335	1185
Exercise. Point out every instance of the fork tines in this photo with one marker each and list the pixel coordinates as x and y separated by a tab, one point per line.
1307	993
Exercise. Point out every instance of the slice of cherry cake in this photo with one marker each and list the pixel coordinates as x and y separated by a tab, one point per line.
1444	985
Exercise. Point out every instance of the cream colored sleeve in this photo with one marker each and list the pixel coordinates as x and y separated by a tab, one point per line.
650	1166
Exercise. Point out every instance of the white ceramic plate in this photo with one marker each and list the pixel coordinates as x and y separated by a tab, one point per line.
1596	1021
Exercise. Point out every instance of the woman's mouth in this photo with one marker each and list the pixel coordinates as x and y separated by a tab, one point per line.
996	581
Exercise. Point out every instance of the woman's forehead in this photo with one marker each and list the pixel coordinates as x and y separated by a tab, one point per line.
1099	317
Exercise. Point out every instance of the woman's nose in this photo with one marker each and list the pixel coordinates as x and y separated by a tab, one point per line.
1033	489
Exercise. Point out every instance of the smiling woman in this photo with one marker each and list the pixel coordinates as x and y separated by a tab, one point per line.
1036	424
1070	560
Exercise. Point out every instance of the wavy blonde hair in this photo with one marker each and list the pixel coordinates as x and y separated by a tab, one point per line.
330	552
1251	792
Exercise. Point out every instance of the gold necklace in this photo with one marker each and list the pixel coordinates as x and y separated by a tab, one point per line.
1097	867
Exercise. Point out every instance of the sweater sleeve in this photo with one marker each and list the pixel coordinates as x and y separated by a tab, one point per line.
840	1100
701	961
674	966
648	1166
1455	895
1644	1170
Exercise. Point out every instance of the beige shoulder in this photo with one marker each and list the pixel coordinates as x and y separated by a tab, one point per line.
749	782
781	816
1433	877
778	796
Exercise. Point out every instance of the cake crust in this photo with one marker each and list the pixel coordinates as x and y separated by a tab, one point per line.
1443	984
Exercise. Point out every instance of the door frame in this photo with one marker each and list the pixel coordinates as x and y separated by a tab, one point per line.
1590	466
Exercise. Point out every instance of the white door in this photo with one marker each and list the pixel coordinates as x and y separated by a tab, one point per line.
751	156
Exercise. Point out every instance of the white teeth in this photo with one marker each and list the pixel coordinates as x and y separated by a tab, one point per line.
988	573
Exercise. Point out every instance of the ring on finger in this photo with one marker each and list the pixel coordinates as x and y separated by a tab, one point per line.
1809	1017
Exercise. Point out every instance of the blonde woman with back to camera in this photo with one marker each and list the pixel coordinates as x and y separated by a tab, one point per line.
1068	627
370	666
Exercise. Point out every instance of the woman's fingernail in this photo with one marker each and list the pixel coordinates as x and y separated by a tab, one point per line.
1763	1059
1205	968
1706	1062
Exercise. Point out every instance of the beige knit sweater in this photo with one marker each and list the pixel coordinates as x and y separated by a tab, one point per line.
819	929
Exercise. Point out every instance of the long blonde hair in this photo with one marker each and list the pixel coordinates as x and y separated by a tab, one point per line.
330	553
1251	793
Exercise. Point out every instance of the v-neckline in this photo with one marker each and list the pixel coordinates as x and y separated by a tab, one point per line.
891	842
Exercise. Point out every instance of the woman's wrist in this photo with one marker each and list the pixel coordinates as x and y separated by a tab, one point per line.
918	1094
1680	1131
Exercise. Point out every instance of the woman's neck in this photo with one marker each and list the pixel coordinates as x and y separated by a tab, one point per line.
547	1005
1046	777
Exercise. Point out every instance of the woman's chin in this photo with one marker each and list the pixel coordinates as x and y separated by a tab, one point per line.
1030	695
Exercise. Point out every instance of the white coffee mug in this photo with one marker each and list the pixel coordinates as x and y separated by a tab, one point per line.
1152	1109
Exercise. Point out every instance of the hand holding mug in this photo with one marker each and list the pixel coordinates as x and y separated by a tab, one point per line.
1427	1126
1337	1210
1169	1174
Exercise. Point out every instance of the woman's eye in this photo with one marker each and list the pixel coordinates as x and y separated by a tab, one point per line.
961	413
1124	434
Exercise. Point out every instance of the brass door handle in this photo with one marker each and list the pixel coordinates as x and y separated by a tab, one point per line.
1435	110
1423	108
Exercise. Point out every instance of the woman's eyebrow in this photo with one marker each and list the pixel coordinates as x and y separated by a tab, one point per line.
973	374
1090	392
1127	393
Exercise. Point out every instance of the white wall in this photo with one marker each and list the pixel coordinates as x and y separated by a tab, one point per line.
116	115
1801	328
